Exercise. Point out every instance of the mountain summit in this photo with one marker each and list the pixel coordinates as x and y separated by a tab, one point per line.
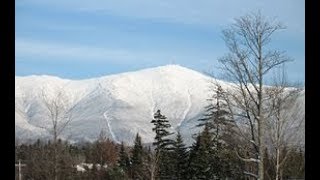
121	104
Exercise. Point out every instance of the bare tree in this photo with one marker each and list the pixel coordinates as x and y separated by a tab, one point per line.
104	151
285	123
151	164
59	111
247	63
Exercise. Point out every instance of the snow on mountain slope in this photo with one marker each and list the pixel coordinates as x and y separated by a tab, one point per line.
121	104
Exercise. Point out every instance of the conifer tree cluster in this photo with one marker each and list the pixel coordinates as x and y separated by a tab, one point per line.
168	158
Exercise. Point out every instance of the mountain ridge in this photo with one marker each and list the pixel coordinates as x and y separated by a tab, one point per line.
120	104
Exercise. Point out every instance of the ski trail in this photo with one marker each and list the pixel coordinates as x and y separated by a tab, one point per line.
186	111
109	126
105	114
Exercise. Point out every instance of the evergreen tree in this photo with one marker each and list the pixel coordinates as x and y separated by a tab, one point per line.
124	160
220	127
137	159
229	165
163	146
207	161
180	158
217	116
161	125
115	174
202	163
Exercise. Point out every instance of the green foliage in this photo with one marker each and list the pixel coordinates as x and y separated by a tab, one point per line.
137	159
229	165
202	160
161	124
206	159
180	158
116	173
163	146
124	160
216	112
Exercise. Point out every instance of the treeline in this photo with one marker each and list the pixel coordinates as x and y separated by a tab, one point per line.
211	156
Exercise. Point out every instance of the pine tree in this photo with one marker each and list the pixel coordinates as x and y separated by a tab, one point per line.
137	159
217	116
161	125
218	123
202	163
124	160
180	158
163	146
229	165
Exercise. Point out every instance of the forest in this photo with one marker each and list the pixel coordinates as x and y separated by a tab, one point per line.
211	156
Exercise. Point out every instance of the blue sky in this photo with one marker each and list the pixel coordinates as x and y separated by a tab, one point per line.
80	39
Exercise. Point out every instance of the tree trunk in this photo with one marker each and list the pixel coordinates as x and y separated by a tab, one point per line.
278	147
261	150
261	120
246	64
55	153
278	164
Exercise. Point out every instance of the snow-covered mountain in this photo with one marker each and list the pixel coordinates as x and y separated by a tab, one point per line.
121	104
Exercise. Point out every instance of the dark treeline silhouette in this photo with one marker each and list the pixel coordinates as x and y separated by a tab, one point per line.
211	156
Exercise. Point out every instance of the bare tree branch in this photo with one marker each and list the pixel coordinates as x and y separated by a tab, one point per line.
246	64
